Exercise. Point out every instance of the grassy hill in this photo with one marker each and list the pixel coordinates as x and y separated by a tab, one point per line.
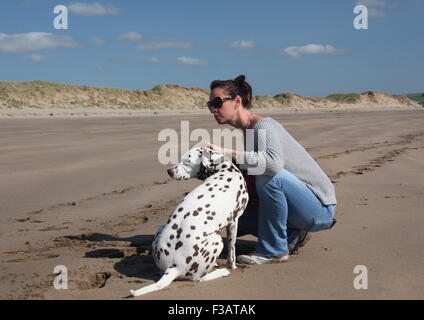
418	97
36	95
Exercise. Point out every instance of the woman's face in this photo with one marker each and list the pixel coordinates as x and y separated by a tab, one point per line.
227	111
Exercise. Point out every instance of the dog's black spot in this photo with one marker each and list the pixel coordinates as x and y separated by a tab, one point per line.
194	267
229	179
178	245
200	196
175	226
196	250
192	227
180	209
188	260
171	236
166	252
195	213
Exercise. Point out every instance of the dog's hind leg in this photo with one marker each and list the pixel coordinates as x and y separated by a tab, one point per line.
219	273
231	242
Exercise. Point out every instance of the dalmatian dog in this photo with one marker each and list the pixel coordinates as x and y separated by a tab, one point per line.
188	246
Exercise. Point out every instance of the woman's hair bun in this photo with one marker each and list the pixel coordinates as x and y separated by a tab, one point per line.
236	87
240	79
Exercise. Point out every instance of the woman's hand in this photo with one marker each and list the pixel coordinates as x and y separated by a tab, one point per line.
214	147
229	152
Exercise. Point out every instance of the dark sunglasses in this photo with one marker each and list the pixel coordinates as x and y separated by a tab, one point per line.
218	101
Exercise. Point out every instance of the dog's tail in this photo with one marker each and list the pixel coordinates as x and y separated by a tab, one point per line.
170	275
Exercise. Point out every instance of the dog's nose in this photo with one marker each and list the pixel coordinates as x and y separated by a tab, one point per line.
170	172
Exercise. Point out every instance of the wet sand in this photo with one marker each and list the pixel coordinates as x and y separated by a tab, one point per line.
89	194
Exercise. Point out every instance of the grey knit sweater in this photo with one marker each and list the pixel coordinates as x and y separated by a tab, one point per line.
274	149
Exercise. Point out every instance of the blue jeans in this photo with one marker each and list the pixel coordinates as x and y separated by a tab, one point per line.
286	206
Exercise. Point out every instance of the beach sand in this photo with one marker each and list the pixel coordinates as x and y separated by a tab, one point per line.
89	194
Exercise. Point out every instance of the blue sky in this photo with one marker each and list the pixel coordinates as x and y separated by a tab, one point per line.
308	47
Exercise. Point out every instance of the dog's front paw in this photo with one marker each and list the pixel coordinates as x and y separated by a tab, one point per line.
232	265
132	293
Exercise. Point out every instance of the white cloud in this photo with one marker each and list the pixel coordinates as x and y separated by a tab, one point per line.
372	3
242	44
92	9
102	68
37	57
376	8
191	61
153	60
131	36
34	41
312	49
161	44
96	40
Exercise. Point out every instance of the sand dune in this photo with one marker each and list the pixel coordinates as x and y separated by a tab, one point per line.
46	99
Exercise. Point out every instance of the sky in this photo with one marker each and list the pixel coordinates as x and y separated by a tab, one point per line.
306	47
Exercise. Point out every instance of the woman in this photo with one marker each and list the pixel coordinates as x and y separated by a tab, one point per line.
295	195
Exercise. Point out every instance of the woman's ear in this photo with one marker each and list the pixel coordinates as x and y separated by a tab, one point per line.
238	102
